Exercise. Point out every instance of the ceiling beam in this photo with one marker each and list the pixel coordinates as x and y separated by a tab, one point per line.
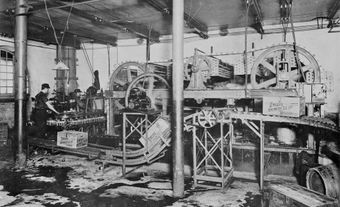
200	28
45	34
41	7
259	17
139	30
71	38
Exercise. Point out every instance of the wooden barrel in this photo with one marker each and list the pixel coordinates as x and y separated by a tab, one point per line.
324	179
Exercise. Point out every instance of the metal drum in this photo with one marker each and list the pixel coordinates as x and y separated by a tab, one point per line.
324	179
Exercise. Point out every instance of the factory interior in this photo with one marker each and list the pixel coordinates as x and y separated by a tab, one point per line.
170	103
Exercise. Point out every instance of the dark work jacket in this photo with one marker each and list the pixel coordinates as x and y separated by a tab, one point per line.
40	100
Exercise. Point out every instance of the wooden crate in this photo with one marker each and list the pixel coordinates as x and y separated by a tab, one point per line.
294	195
284	106
72	139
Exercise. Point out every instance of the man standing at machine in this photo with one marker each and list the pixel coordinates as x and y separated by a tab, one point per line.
40	114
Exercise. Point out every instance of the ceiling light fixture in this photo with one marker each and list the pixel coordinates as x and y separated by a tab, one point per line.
60	66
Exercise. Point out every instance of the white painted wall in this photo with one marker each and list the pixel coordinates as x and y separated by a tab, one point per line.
40	61
324	45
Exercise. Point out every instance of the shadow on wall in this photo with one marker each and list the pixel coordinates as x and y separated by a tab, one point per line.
7	113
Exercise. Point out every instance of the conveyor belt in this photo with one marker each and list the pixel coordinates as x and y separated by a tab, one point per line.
156	144
147	154
76	122
227	115
304	120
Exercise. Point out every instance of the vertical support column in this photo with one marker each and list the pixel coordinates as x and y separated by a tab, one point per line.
60	74
261	155
246	51
124	144
231	141
66	81
177	97
70	59
222	155
108	60
206	152
194	136
311	140
20	82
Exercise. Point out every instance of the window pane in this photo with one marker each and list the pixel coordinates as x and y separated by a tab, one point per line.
10	83
10	76
2	83
6	72
10	69
9	56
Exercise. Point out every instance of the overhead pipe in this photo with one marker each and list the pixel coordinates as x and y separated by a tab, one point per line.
20	42
177	97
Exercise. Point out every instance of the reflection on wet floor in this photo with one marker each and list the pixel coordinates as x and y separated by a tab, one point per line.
17	183
59	180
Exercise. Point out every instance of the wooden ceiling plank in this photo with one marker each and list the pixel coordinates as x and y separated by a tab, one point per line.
200	28
70	36
140	30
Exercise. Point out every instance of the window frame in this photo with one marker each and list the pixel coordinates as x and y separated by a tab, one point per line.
5	71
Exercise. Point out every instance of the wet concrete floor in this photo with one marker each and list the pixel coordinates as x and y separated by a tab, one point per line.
15	183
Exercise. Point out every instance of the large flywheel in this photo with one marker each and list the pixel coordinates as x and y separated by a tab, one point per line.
124	74
277	67
121	78
148	91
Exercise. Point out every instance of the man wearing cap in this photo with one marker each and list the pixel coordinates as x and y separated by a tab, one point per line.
41	106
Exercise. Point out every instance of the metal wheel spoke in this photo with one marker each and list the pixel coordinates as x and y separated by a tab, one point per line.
129	75
266	83
269	66
120	82
306	68
282	58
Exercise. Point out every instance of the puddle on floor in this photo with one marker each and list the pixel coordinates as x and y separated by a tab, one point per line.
20	184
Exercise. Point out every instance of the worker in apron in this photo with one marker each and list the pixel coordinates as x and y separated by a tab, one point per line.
41	111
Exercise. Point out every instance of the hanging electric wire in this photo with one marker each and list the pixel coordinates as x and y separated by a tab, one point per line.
284	19
296	52
87	58
66	24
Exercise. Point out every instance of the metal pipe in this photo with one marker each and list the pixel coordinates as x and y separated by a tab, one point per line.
246	50
124	144
195	155
261	155
177	97
108	59
222	155
20	41
147	50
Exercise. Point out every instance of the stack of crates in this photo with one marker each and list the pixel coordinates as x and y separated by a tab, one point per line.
3	133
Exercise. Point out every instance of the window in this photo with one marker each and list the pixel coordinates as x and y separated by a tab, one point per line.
6	74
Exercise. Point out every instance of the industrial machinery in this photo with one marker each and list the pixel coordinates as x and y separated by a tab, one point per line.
284	101
278	67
